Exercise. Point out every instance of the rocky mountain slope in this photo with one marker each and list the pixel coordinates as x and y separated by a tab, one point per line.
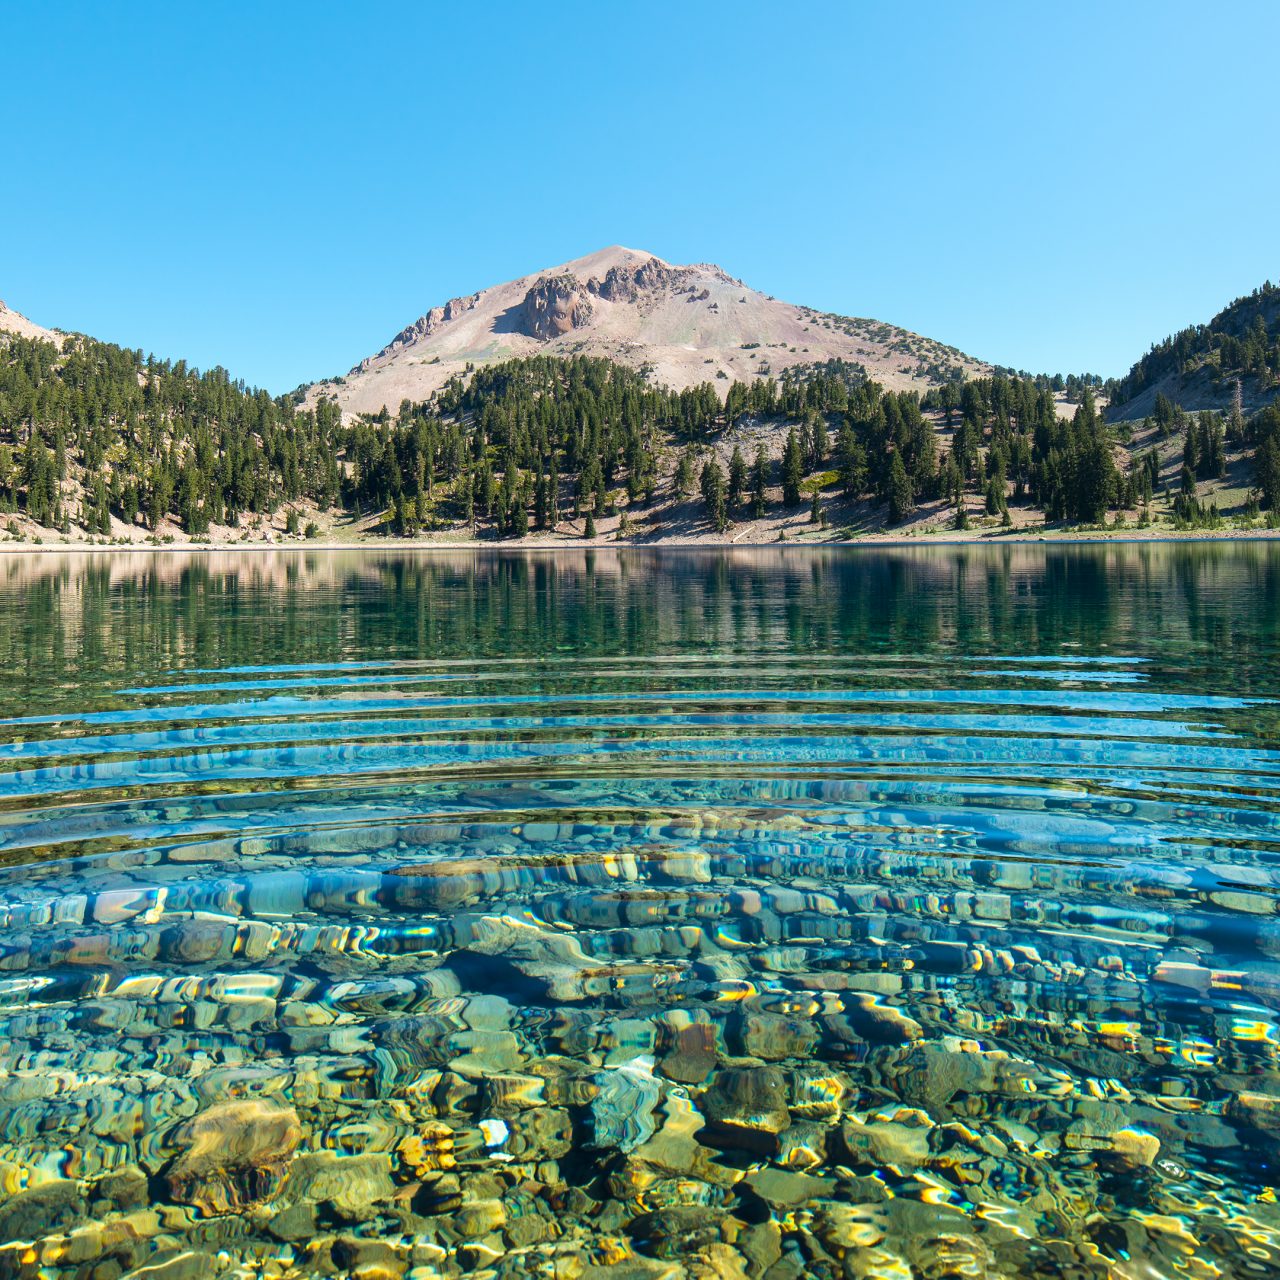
687	324
15	322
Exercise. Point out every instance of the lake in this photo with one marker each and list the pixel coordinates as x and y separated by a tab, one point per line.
902	913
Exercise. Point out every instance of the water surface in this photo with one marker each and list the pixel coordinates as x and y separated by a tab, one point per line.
873	913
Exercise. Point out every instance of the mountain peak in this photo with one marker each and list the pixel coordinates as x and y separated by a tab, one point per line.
603	260
686	324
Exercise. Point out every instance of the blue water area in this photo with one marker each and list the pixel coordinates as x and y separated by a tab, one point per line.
903	913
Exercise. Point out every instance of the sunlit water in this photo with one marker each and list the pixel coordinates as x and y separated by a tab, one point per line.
771	913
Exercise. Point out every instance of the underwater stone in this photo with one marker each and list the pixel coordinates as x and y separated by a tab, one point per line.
431	1148
541	1134
349	1187
803	1145
896	1136
677	1231
621	1113
773	1037
1130	1146
746	1107
479	1218
817	1093
189	1264
761	1246
35	1213
688	1048
234	1155
874	1021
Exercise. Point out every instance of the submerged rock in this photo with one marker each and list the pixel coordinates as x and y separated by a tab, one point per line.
621	1113
234	1155
746	1107
43	1209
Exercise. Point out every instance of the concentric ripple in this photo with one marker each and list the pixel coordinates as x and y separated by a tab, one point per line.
778	913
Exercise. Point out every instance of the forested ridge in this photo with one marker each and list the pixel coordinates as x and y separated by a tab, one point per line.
1241	341
106	440
89	429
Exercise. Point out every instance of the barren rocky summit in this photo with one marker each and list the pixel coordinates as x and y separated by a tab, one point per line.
686	324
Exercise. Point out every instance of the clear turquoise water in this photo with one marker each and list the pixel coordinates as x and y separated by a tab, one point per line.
902	913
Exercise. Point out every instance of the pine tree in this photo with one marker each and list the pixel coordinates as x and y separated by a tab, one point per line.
1191	449
1265	429
540	501
519	522
818	437
902	500
737	479
792	470
684	475
760	484
713	494
851	462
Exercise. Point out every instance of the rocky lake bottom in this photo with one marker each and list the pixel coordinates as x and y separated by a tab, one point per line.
894	915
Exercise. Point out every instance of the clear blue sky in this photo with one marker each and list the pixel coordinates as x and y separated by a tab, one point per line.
278	188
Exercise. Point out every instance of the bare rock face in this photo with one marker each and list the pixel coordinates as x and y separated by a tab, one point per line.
629	284
422	327
234	1155
555	305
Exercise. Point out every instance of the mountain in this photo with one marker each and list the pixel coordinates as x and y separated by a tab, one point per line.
15	322
593	409
686	325
1199	367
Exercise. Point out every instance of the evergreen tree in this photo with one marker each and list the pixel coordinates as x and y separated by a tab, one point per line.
684	475
541	501
760	484
1265	429
519	520
713	494
792	469
818	437
1191	448
737	479
901	497
851	462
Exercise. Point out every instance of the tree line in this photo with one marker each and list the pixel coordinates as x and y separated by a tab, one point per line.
150	438
530	443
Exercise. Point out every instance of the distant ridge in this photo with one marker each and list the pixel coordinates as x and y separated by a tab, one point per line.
686	325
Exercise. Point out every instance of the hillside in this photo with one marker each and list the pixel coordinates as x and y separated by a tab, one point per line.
1200	366
101	444
15	322
685	325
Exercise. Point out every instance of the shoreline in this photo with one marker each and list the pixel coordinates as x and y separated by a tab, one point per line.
1108	537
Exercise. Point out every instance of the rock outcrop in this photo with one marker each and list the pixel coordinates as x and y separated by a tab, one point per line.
422	327
555	305
628	283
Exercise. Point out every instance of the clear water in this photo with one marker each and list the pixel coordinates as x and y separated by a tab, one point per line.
898	913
